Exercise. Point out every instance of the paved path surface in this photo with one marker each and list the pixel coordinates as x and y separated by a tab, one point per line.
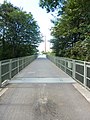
47	100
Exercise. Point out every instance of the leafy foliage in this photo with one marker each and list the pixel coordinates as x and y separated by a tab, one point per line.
71	32
19	32
52	5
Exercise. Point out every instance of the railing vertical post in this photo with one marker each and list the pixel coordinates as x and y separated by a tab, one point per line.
29	60
60	62
22	62
0	75
74	69
65	65
55	60
85	73
10	69
18	64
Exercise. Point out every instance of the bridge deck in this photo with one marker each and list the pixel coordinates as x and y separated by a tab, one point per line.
43	92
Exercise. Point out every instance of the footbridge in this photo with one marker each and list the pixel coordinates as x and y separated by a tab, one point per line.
44	89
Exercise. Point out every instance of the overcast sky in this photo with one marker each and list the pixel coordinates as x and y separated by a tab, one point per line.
40	15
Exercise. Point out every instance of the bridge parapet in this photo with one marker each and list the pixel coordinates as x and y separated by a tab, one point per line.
9	68
77	69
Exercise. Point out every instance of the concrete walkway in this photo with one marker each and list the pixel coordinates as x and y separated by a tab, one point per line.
43	92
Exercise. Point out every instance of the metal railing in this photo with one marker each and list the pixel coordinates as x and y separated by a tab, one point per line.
79	70
9	68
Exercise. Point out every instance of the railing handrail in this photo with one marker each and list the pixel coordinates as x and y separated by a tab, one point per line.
10	67
77	69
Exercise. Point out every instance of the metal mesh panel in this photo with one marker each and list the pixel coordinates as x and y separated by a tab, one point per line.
4	68
58	61
80	69
62	62
79	77
88	72
66	64
20	68
69	72
88	83
69	66
58	65
26	62
14	64
20	62
14	72
5	77
63	68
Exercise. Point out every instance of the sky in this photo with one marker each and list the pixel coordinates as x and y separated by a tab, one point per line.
41	16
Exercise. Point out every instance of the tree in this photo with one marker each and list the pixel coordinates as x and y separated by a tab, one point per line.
72	29
52	5
19	33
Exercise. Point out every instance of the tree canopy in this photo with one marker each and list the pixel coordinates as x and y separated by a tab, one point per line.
52	5
19	32
71	31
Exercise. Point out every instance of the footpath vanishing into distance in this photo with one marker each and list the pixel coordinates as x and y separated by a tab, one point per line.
42	91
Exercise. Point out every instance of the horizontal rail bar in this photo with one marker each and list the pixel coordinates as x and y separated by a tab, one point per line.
74	63
14	64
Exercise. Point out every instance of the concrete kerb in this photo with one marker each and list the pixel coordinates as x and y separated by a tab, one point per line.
85	92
